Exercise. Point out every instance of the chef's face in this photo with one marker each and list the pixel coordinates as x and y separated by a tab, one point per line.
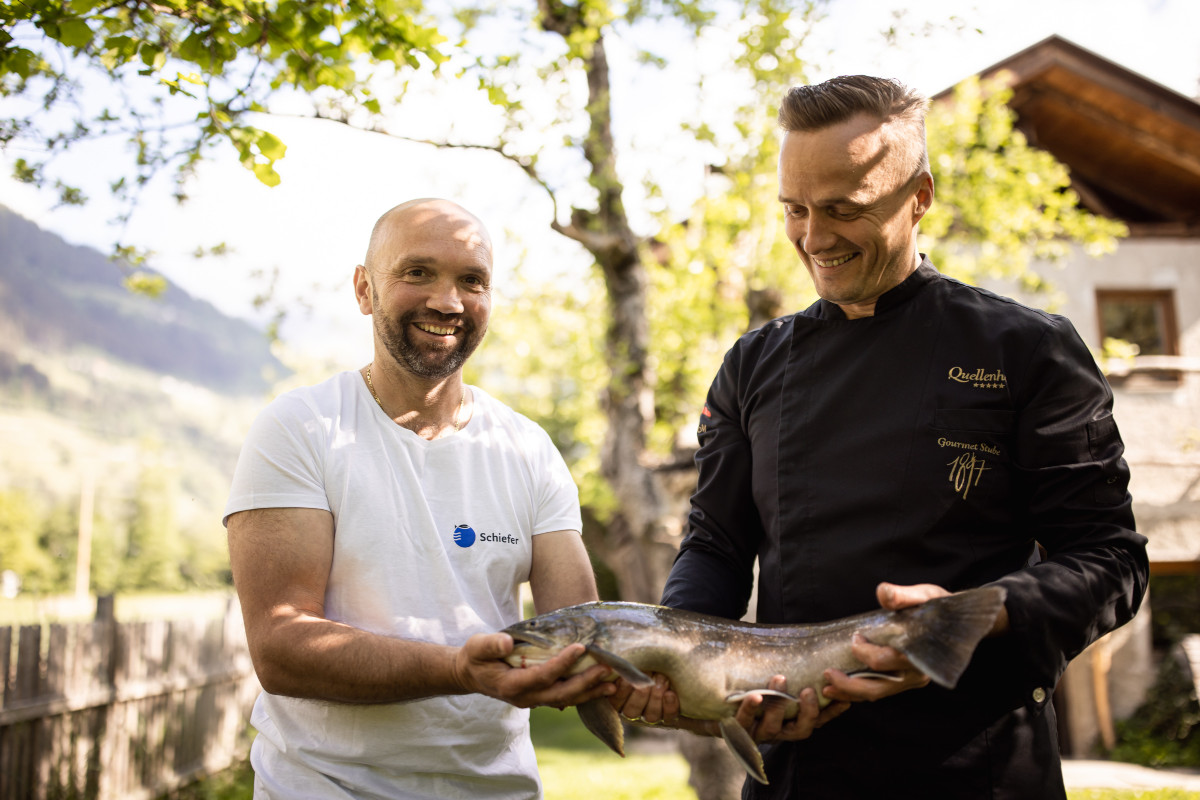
852	196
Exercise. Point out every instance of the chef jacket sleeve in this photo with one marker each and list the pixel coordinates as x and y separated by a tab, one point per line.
713	572
1073	479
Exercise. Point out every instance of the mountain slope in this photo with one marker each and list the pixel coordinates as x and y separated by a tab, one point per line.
59	298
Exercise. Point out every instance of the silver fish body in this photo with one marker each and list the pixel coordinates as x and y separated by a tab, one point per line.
712	663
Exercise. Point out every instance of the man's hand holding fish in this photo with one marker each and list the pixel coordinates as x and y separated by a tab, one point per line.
479	668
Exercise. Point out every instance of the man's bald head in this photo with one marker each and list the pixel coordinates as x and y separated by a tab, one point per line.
453	220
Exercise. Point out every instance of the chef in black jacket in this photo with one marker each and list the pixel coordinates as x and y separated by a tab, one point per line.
905	436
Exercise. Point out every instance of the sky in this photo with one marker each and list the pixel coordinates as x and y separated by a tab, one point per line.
314	227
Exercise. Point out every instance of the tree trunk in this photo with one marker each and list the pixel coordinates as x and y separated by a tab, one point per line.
643	535
715	774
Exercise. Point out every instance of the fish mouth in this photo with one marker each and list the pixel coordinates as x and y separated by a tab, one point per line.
535	639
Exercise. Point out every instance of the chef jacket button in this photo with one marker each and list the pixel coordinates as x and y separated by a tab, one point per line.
1039	695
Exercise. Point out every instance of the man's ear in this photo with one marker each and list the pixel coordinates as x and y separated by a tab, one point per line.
362	290
924	197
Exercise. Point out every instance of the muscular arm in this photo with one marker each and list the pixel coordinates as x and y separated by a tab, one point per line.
561	574
281	559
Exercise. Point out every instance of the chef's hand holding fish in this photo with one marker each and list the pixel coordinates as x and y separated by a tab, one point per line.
763	718
882	659
480	667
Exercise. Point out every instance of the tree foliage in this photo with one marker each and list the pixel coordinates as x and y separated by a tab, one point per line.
1001	204
676	282
21	549
140	548
188	75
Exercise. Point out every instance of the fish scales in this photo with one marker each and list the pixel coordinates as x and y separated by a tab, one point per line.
712	663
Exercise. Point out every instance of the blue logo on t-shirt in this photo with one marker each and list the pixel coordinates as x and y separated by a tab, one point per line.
464	536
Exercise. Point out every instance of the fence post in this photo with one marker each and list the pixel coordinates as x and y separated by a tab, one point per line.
107	728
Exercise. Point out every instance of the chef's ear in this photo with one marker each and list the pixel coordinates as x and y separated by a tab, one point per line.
923	197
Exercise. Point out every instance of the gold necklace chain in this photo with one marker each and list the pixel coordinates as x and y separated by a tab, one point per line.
457	414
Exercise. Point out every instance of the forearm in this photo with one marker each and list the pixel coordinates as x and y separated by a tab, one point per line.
309	657
1061	605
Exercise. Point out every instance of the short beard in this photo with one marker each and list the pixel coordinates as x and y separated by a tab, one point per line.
395	337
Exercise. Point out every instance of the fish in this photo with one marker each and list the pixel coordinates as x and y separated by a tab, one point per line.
713	663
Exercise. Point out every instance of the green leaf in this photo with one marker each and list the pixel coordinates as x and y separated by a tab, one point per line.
271	146
266	174
25	172
248	35
74	32
192	48
123	46
145	283
153	56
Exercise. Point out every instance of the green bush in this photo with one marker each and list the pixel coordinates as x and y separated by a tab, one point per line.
1175	608
1165	731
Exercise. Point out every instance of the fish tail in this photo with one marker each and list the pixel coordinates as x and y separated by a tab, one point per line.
742	745
945	631
604	722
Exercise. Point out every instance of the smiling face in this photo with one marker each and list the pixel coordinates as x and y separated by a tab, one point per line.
427	284
852	196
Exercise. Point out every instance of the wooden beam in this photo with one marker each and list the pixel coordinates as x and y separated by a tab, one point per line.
1190	162
1092	170
1175	567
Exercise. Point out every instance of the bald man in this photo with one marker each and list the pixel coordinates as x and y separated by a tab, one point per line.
380	524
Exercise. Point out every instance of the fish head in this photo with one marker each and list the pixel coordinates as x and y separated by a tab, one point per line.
540	638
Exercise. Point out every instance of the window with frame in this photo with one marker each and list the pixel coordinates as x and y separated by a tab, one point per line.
1139	323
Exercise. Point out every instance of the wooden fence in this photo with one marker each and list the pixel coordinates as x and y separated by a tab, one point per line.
111	710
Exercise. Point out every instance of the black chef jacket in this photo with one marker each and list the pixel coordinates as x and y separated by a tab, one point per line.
934	442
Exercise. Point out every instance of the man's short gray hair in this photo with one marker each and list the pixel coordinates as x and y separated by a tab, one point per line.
821	105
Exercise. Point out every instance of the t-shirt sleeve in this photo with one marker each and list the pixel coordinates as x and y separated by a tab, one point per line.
280	465
557	501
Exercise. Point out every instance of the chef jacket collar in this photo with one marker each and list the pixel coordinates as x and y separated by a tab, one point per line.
892	298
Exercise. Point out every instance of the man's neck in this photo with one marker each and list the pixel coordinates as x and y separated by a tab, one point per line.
431	409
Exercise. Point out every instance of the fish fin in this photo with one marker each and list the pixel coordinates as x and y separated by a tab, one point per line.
948	631
637	678
738	697
604	722
869	673
738	740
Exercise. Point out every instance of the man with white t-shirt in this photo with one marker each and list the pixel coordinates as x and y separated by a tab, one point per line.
380	524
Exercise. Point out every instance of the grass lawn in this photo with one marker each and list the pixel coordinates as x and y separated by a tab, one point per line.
576	766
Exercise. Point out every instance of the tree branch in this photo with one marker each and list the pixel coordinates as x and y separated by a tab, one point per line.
523	162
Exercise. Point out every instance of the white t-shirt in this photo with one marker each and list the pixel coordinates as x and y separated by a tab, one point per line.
431	542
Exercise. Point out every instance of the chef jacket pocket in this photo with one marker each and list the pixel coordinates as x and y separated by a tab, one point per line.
971	456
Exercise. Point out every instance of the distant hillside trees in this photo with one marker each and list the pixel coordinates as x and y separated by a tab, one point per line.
142	549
